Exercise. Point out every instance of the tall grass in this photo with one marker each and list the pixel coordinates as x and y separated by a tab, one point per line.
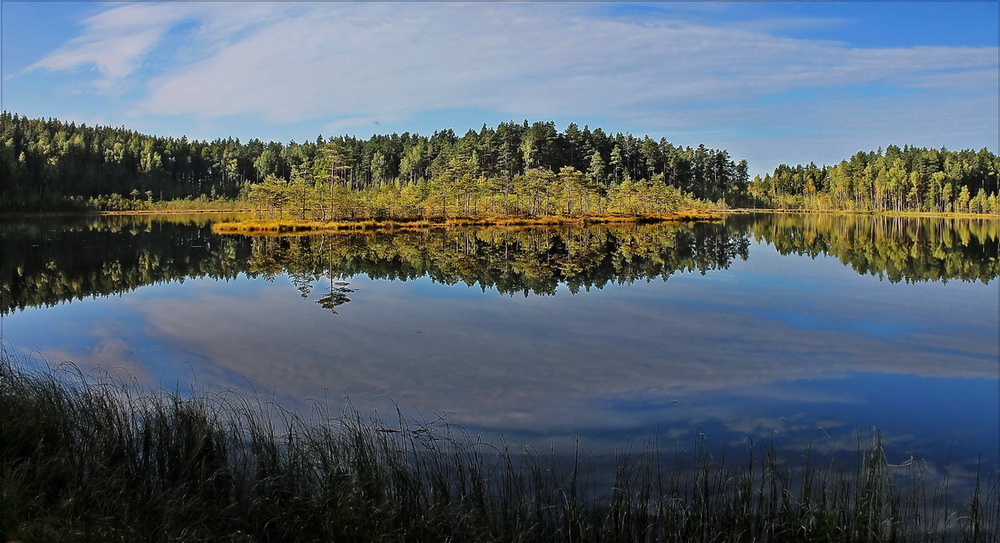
85	459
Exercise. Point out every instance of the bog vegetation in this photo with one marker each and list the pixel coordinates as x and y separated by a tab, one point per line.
511	169
97	460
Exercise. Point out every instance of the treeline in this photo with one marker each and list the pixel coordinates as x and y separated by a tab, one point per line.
460	192
897	179
522	168
52	164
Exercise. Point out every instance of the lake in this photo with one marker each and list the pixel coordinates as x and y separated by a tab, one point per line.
810	330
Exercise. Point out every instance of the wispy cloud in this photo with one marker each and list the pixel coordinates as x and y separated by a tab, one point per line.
114	41
344	63
495	360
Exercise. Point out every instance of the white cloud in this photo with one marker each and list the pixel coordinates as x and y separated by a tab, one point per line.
493	359
341	63
114	41
117	41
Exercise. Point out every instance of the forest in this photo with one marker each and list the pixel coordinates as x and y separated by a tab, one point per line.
896	179
513	168
524	168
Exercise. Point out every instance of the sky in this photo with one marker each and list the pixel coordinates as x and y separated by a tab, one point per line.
771	82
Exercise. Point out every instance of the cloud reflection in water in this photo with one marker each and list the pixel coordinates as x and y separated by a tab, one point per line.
771	345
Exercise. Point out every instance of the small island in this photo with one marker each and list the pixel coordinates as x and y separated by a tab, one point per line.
292	225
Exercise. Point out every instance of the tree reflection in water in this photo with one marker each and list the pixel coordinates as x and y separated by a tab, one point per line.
48	261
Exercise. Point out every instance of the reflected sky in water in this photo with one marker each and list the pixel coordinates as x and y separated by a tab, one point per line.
790	347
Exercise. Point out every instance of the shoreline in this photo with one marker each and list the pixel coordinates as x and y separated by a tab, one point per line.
122	213
528	221
285	226
869	213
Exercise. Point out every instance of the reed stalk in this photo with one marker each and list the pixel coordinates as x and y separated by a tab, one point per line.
100	459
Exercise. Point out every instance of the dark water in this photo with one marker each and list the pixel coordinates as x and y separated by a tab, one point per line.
805	330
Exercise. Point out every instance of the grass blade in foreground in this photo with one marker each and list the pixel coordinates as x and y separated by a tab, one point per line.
98	459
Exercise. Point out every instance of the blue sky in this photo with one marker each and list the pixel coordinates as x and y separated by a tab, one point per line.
771	82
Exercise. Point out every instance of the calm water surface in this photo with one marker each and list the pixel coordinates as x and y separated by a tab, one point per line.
805	330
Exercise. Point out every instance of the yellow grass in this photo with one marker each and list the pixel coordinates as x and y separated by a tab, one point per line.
300	226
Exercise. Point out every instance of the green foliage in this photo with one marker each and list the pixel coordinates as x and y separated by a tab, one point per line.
907	179
51	164
457	190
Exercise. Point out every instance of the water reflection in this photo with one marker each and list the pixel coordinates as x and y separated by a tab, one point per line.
756	326
337	295
46	262
528	262
899	249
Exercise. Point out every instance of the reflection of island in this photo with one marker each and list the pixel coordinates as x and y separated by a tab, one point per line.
47	261
528	261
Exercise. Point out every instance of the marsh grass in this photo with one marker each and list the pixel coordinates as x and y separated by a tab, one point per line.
301	226
98	459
